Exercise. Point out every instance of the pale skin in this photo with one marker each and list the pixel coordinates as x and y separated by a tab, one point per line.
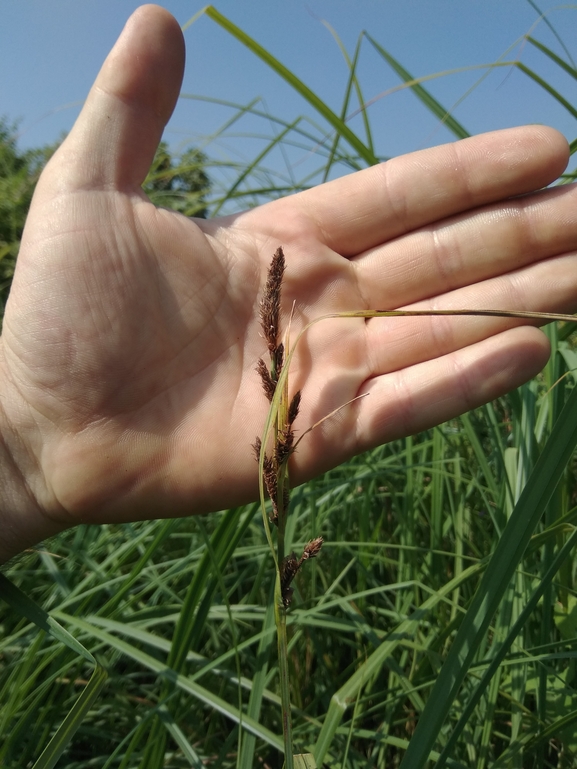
128	387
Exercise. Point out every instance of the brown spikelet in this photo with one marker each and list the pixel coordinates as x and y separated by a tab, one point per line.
267	384
270	479
271	483
287	597
277	362
288	569
294	407
270	303
283	448
312	549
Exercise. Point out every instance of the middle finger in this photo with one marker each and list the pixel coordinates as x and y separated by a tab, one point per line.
467	249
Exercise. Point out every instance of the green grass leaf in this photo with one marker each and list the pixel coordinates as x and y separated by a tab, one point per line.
315	101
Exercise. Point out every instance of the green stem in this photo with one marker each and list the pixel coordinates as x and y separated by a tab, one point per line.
281	524
280	619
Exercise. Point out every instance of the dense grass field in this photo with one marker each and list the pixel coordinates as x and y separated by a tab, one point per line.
444	596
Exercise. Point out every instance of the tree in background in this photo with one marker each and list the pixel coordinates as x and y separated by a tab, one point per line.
176	182
19	172
179	182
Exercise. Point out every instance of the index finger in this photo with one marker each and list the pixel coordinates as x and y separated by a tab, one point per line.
370	207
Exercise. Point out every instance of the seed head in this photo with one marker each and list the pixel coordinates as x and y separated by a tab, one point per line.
267	384
270	303
288	569
283	448
312	549
294	407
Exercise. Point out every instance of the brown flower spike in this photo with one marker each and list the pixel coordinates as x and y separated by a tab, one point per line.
290	566
270	303
275	472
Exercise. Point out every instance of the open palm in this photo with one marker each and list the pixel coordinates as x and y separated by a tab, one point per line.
132	334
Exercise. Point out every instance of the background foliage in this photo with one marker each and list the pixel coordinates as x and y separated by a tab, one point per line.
19	172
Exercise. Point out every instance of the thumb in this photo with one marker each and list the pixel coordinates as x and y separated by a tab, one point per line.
113	141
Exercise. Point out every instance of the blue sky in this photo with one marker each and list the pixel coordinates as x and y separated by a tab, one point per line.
52	49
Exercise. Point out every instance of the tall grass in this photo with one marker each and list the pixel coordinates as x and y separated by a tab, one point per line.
438	625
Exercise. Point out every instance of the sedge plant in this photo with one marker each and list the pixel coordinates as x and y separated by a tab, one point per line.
274	449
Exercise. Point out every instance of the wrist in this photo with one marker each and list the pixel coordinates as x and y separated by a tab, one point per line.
23	518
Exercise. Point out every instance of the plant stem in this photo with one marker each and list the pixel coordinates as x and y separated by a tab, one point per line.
280	619
280	612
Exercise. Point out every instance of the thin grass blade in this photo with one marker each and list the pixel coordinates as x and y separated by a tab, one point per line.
570	70
347	694
500	654
316	102
27	608
73	720
185	683
547	87
421	93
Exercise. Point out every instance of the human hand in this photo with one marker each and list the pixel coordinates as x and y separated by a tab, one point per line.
128	386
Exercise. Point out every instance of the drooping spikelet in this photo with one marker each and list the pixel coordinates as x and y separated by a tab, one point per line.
312	549
290	566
